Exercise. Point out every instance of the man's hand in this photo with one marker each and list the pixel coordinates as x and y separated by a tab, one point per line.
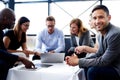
72	60
27	63
51	51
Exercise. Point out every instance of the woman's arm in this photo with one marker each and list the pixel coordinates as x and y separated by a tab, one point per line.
86	49
24	48
6	41
27	52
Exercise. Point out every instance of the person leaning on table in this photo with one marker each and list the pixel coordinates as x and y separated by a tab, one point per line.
15	38
105	64
7	60
50	39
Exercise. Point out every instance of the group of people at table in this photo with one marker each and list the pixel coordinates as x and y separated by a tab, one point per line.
103	64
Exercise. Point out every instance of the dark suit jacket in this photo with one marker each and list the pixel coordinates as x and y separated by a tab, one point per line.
85	39
4	55
7	60
109	50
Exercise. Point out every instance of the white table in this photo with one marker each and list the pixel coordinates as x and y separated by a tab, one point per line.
59	71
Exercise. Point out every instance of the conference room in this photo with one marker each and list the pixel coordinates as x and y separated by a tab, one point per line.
37	11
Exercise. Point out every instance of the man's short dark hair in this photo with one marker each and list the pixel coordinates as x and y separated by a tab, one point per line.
50	18
103	7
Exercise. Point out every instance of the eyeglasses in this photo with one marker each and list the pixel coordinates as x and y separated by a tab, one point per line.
26	25
50	25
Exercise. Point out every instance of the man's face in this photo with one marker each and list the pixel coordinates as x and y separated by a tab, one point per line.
50	25
7	21
100	19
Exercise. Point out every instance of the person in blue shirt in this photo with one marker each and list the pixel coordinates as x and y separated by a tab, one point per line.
51	39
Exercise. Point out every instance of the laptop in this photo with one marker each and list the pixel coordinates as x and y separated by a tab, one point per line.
52	58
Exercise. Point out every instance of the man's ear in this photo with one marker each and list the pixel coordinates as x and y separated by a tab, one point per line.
109	17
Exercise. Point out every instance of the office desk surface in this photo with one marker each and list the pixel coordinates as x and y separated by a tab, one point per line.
58	71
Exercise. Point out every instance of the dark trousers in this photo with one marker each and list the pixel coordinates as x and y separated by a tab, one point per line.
3	70
101	73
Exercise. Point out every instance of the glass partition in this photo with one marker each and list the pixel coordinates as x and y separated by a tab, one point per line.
114	11
64	12
2	5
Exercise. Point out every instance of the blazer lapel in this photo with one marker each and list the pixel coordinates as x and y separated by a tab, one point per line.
74	41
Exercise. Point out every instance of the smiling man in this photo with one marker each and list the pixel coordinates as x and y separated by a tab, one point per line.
105	64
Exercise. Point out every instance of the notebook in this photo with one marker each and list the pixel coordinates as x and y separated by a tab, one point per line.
52	58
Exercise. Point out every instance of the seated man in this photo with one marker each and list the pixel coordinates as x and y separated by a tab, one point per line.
50	40
105	64
7	60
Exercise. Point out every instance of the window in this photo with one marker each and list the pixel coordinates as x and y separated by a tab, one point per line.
36	12
114	11
2	5
62	11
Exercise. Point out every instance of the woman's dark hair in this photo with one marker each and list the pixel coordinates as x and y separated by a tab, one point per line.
23	20
17	27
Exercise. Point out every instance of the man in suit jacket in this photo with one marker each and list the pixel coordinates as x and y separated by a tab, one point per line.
7	60
105	64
